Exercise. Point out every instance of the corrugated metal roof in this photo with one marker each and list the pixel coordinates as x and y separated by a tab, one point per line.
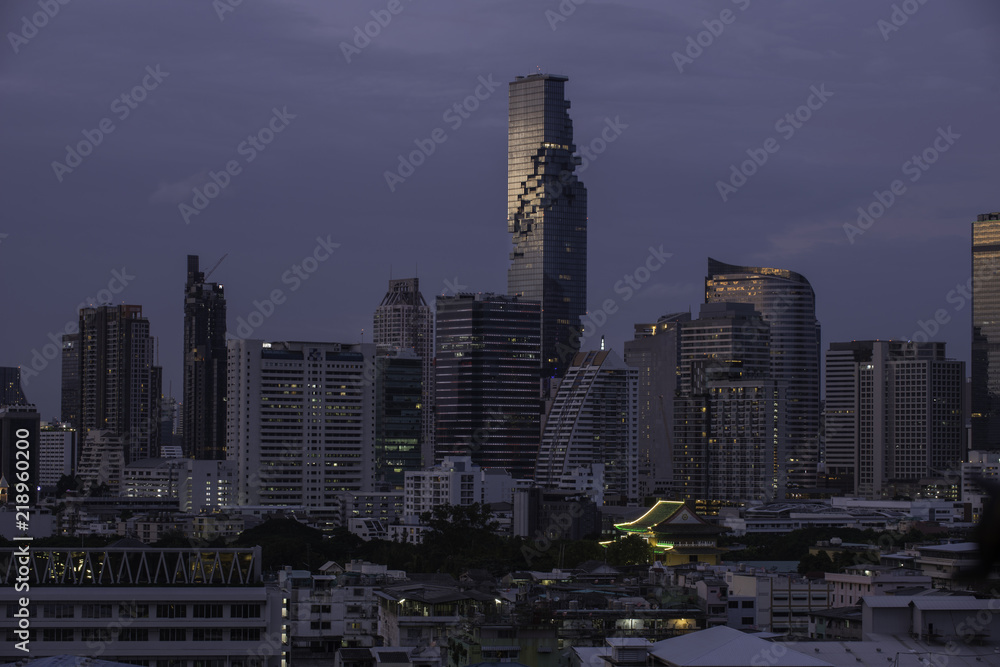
950	602
725	647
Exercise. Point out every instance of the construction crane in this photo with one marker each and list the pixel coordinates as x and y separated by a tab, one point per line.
212	270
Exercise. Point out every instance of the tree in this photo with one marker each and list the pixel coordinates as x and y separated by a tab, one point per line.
629	550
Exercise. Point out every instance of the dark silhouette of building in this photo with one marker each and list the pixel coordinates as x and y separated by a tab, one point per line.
70	409
486	381
10	386
546	215
119	385
205	363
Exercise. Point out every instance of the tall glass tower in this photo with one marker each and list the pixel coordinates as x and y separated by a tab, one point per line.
546	215
787	303
986	332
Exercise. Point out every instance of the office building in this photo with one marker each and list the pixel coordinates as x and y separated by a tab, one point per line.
204	366
56	453
546	215
404	321
787	303
655	352
301	421
593	421
486	381
70	407
398	415
119	387
986	332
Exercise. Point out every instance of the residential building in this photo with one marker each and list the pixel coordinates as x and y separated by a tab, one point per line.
57	449
787	304
593	421
301	421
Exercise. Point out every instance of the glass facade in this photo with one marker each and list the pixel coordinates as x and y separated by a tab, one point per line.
546	215
787	303
986	332
486	381
398	415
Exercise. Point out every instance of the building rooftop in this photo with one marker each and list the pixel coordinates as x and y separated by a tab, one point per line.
721	646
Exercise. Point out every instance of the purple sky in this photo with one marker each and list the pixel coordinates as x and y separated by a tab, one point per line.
323	175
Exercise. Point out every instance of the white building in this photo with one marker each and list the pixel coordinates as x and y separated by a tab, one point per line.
56	454
855	582
301	421
980	464
195	484
776	603
454	481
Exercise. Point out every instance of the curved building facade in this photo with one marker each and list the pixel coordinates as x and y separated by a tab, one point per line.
787	303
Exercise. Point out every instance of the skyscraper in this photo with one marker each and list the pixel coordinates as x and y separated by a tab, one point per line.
70	408
546	214
731	441
10	386
204	366
486	381
593	422
655	352
404	320
787	303
119	387
398	415
301	420
986	332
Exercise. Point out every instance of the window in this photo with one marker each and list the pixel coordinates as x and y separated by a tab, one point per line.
207	611
171	611
244	611
747	604
95	635
206	635
747	620
173	634
133	610
57	635
733	604
57	611
96	610
133	635
244	635
319	625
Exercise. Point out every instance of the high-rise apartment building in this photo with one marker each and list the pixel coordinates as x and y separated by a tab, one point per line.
787	303
487	381
731	441
301	420
119	386
204	366
655	352
56	453
546	214
404	321
986	332
594	421
894	413
19	429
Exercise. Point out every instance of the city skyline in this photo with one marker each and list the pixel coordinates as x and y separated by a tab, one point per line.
114	225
